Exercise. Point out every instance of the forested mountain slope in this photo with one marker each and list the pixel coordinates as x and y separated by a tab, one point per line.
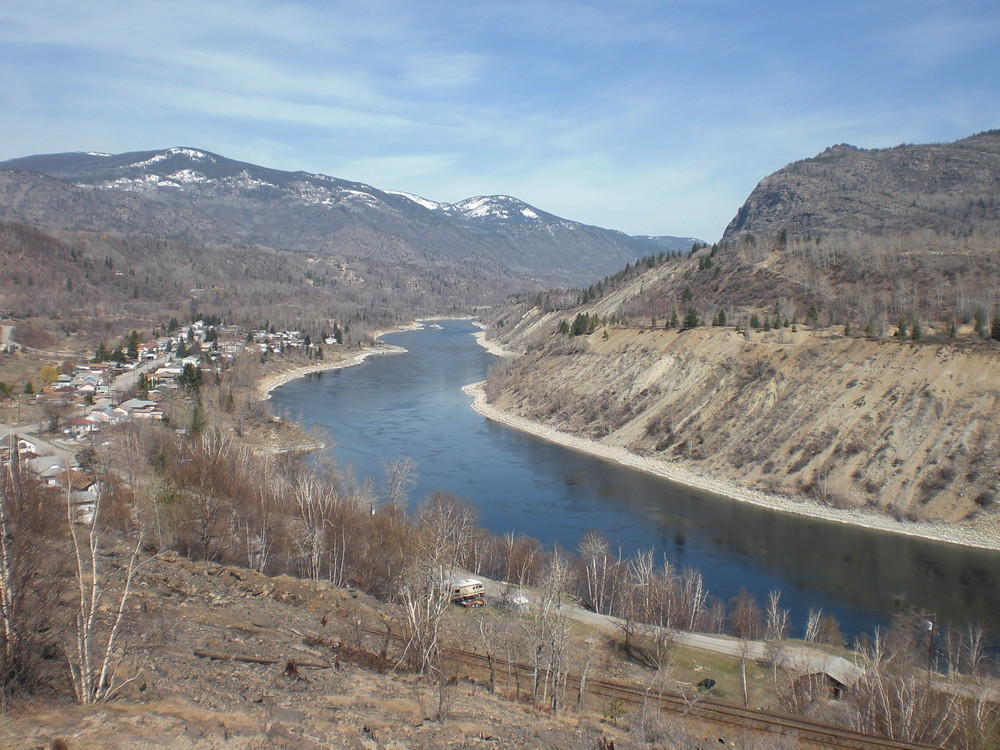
185	194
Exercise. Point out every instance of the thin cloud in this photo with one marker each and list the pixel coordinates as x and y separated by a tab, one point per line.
651	116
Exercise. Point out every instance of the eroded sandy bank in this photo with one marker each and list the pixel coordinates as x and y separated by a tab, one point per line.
676	471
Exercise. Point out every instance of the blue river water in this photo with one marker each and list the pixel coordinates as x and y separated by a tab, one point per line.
412	405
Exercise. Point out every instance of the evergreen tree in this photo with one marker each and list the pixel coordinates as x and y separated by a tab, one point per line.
133	345
995	327
980	324
198	421
755	322
691	319
190	378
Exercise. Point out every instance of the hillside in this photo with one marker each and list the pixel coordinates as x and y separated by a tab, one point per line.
948	187
184	194
901	429
830	349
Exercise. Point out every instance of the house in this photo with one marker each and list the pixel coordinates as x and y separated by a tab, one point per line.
45	467
81	427
26	446
829	680
138	408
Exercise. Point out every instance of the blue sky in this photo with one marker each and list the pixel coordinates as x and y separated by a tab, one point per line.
648	117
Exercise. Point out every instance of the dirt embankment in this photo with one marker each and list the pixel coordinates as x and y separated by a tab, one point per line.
906	430
223	657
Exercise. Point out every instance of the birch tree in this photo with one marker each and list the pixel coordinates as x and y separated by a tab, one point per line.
95	651
443	524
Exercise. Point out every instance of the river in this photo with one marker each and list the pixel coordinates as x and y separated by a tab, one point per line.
412	405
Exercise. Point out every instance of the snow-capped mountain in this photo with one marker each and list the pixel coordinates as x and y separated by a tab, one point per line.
193	194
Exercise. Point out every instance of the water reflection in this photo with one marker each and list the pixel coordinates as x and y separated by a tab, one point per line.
412	404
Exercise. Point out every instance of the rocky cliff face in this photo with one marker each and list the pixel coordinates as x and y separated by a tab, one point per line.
845	190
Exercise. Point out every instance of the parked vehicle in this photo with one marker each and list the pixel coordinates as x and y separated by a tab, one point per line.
468	592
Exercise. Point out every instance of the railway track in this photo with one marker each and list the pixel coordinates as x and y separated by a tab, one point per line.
507	676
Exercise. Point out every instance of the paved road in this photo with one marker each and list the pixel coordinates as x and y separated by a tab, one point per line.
127	380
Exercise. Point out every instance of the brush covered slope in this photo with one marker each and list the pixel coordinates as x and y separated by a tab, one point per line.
855	370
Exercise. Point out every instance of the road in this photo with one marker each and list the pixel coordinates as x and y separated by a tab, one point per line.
797	657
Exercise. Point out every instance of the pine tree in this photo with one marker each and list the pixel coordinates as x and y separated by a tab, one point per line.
691	319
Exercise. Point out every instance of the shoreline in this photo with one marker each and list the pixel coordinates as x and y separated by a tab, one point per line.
680	474
270	382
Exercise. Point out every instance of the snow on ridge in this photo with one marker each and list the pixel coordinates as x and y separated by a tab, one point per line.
187	175
96	153
425	202
137	184
188	152
359	194
499	206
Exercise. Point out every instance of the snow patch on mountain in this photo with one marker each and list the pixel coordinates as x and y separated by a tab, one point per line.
428	204
164	155
368	198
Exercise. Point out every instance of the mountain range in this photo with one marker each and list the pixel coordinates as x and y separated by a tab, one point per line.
188	194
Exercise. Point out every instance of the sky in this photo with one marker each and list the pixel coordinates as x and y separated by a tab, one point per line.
651	117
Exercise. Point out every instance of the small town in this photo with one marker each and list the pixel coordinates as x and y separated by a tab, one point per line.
127	383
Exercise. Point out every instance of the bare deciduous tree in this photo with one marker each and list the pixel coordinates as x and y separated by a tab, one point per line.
548	632
600	569
400	479
776	627
28	580
444	523
95	654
